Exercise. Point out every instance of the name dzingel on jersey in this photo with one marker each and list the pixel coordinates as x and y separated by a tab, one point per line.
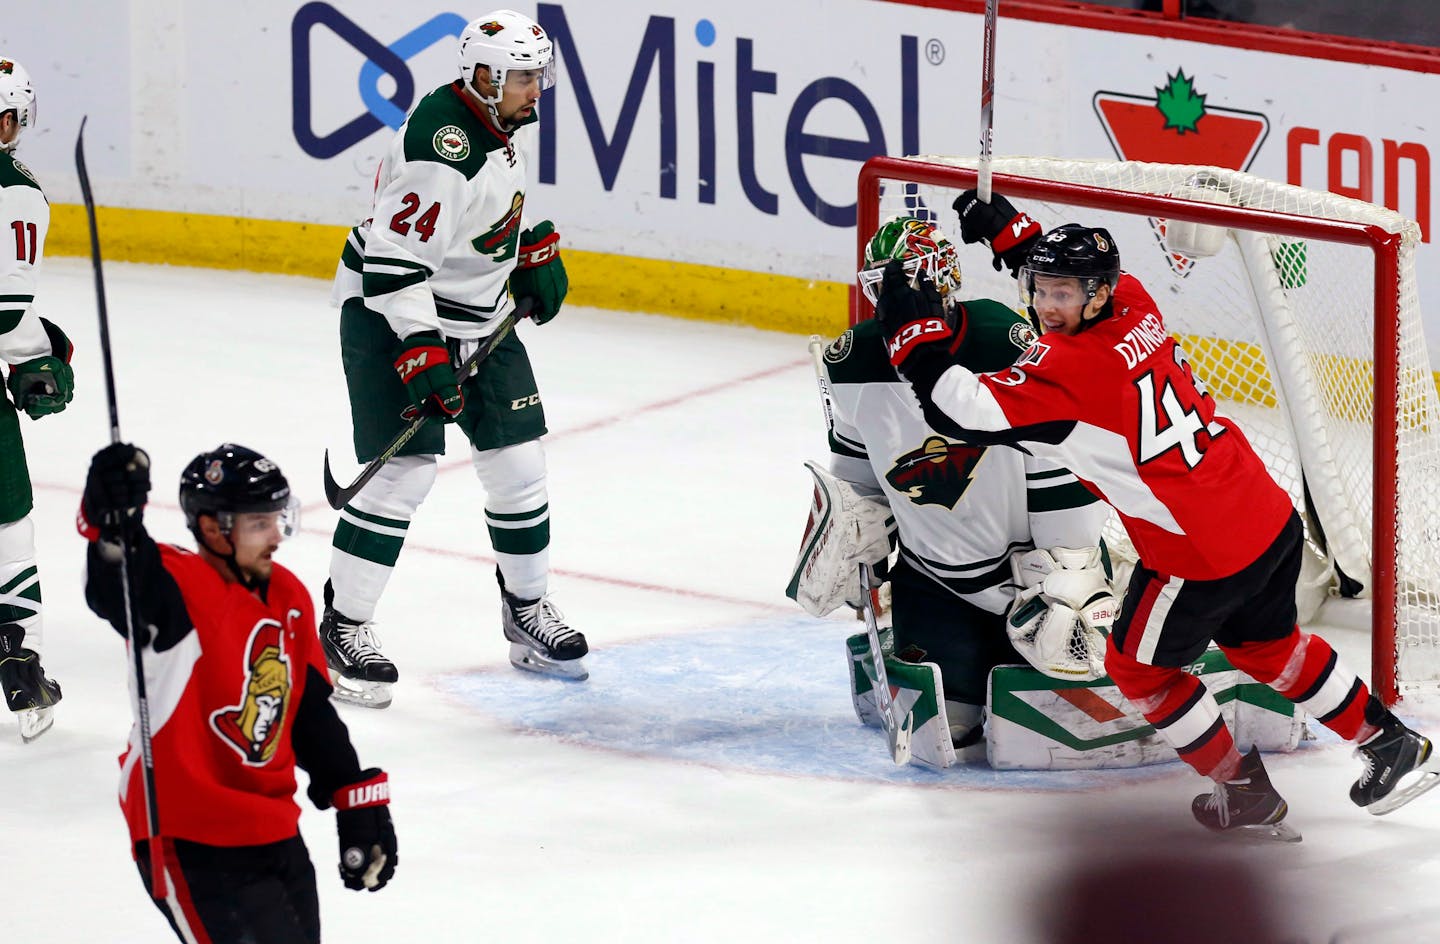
1142	340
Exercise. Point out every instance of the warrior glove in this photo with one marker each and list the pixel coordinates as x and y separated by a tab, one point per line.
1008	232
368	851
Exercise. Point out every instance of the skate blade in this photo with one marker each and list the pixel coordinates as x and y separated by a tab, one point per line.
528	660
364	694
1267	832
1428	779
35	722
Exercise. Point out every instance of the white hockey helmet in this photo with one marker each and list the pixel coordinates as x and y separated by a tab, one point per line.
17	95
505	40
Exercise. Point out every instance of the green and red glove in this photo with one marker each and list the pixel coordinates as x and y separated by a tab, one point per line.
429	377
540	274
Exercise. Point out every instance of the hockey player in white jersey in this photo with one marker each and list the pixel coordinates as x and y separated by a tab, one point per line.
450	248
40	383
981	534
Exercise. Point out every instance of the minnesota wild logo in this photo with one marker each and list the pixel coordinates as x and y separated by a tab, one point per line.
937	473
499	241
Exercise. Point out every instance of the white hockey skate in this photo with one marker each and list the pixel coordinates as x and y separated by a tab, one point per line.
540	639
28	693
360	674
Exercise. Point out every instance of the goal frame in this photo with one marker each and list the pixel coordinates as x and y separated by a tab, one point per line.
1384	246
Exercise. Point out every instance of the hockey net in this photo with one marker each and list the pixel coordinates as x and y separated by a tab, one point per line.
1278	299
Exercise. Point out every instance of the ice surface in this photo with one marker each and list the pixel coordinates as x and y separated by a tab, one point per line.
709	783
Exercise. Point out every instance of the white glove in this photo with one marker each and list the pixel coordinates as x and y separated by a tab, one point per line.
1063	611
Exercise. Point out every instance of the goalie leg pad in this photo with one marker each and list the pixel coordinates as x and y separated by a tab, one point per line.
916	688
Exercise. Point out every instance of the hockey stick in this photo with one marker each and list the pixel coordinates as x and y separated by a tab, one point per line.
159	885
897	731
339	495
987	100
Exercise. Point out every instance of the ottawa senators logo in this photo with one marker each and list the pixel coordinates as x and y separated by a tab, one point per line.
500	241
254	726
937	473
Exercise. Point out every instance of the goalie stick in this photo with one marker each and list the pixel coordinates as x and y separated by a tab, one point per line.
897	730
159	884
339	495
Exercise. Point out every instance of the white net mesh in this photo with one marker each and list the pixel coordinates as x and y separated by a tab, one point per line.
1282	330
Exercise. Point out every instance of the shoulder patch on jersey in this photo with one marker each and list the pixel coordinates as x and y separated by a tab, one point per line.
839	349
451	143
1022	335
13	173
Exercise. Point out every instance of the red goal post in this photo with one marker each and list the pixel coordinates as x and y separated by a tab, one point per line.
1303	308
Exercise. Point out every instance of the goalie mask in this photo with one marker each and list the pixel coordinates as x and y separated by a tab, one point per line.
503	41
17	97
921	247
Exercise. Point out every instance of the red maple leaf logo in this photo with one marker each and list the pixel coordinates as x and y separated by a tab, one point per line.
1178	126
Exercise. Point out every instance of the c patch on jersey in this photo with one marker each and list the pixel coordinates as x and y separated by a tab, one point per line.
839	349
937	473
1022	335
451	143
253	727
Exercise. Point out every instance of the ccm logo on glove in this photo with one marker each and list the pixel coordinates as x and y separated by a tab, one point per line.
916	333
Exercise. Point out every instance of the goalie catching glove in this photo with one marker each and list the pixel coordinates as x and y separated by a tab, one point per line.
1063	611
845	530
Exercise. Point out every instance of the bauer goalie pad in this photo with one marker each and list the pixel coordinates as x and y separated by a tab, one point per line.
1062	612
1040	723
845	529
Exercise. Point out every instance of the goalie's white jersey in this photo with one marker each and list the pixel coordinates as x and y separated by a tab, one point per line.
438	251
960	510
27	218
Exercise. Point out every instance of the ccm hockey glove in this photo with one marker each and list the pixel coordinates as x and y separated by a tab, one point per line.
429	377
116	489
368	851
540	274
1008	232
45	385
921	336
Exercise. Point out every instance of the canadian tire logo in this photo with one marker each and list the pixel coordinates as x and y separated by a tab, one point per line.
1177	125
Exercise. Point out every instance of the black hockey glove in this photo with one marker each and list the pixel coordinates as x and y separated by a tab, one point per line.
45	385
1008	232
429	378
540	274
921	335
368	851
116	489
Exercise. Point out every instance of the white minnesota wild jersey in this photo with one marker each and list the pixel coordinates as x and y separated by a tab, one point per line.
438	249
960	510
26	215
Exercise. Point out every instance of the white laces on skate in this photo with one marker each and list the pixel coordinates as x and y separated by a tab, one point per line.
543	620
360	641
1220	803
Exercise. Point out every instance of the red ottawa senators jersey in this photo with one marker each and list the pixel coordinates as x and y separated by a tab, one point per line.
1119	406
222	702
